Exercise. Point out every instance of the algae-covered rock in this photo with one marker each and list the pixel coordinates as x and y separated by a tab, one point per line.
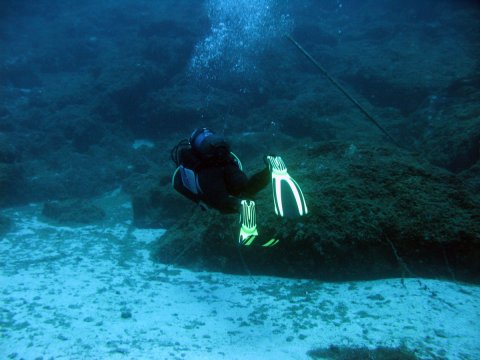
447	129
73	212
472	177
158	207
5	225
373	212
10	172
8	154
154	202
10	176
345	353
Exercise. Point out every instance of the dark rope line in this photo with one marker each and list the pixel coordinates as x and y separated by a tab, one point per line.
339	87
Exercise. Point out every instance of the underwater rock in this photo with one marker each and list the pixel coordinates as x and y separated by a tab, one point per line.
8	153
158	207
83	134
5	225
383	93
377	213
447	128
76	182
6	123
19	75
472	177
144	109
10	177
73	212
126	314
345	353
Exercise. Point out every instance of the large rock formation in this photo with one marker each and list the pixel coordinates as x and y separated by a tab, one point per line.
373	212
447	128
10	172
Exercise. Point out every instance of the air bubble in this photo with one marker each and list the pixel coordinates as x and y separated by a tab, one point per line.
240	31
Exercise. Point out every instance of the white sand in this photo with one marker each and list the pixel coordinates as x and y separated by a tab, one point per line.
63	291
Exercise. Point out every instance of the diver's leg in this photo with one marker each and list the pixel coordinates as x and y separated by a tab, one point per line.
257	182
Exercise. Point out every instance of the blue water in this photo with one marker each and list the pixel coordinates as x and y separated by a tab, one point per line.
378	119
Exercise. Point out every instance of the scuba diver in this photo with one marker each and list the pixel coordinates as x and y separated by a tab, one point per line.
209	174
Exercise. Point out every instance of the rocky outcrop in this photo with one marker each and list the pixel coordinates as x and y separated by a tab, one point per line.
373	212
78	212
5	225
447	128
10	172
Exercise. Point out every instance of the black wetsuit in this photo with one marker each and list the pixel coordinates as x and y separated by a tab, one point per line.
222	184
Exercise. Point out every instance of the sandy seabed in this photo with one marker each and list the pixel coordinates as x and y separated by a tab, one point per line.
93	292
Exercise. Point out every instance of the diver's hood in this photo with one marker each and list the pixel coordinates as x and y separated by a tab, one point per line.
209	146
214	147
